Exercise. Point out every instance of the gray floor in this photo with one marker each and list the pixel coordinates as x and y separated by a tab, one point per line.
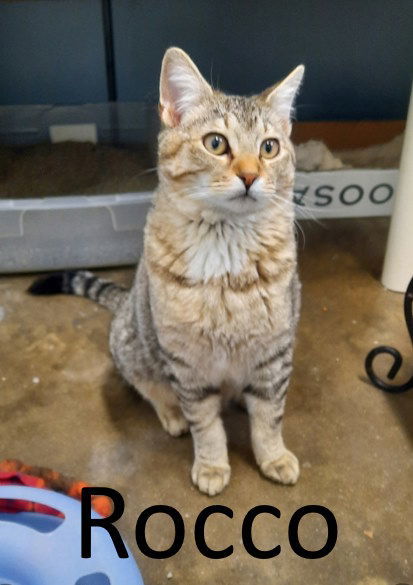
354	442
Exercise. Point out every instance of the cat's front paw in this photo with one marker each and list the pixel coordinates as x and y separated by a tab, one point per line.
210	479
284	469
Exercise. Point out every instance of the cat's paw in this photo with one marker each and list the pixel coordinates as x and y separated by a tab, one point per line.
284	469
210	479
174	422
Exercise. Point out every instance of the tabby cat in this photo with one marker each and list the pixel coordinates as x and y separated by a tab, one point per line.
214	306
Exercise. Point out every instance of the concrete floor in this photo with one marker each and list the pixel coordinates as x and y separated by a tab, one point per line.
354	442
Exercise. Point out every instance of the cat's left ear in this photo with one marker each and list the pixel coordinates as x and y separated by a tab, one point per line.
281	96
181	87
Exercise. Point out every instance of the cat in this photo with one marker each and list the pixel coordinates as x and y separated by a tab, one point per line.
213	309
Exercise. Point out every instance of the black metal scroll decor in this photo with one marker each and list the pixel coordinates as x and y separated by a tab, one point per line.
398	360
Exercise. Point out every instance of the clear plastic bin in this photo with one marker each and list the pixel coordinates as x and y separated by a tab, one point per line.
71	232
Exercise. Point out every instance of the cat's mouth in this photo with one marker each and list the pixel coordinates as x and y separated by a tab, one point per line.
243	196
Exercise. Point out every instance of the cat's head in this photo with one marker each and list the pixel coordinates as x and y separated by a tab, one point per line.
219	153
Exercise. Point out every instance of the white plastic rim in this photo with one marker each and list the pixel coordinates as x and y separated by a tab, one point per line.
398	263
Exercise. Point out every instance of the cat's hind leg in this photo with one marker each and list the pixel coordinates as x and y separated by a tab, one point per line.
166	404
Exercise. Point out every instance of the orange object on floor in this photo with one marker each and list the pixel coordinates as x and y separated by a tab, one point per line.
14	472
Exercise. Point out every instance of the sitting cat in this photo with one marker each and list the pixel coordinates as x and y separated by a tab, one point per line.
214	306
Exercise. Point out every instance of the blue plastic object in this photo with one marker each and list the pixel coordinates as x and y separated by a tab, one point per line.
38	549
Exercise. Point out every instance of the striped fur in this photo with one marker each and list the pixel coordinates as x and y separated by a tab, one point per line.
213	309
81	283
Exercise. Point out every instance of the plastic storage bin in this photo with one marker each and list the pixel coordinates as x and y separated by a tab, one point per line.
71	232
38	549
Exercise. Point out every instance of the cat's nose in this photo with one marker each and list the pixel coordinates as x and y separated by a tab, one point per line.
248	178
247	167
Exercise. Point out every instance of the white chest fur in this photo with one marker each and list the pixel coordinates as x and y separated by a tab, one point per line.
220	248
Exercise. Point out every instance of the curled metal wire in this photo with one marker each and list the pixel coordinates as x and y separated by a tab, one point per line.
398	360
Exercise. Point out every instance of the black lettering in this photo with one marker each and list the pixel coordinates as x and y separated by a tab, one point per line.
358	198
87	521
331	532
325	197
299	195
200	532
247	529
141	527
388	195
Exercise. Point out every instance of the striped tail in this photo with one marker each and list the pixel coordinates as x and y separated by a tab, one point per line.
81	283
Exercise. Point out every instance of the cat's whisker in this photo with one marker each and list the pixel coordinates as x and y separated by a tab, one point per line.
201	195
278	203
305	210
147	171
309	215
279	206
300	229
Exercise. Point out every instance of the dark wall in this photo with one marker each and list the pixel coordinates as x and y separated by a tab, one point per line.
358	53
51	51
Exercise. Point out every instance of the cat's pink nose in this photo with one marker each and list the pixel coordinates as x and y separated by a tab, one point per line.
248	178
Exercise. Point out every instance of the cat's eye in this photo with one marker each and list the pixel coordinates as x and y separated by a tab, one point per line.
269	148
216	143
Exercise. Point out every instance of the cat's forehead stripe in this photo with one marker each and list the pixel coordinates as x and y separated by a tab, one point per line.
238	110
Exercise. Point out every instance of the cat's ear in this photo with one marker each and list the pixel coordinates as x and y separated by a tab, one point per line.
281	96
181	87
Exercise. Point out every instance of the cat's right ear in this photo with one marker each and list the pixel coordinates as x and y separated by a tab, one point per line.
181	86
